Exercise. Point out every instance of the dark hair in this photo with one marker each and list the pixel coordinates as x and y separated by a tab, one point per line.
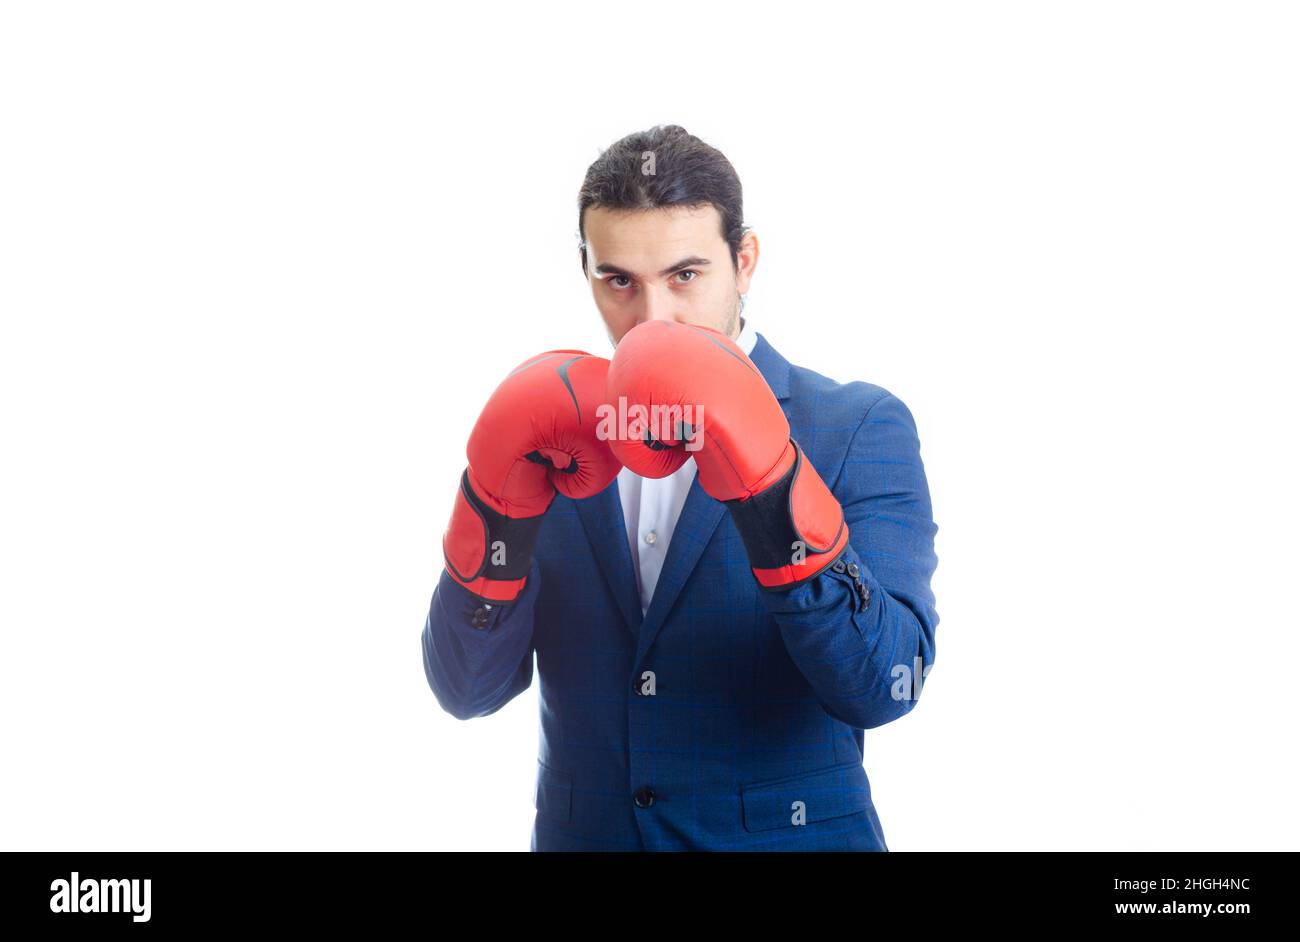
686	172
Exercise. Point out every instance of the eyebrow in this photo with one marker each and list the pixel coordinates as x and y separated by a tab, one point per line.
692	261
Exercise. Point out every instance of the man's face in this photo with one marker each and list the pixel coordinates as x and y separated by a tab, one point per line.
669	264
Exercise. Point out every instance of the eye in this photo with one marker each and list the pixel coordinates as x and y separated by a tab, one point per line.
689	271
613	278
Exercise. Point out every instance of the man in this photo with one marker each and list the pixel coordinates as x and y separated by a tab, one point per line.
717	623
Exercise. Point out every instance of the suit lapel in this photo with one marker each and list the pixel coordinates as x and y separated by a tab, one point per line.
602	518
774	367
700	515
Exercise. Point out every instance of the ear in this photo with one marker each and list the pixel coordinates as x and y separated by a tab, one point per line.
746	261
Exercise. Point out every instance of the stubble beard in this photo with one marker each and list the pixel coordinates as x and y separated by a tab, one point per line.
730	327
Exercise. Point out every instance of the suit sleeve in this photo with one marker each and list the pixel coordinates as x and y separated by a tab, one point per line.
478	656
863	632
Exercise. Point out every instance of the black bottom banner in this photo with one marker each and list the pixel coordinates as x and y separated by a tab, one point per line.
141	891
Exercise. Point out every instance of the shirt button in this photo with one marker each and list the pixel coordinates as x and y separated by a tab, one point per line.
644	797
651	537
838	565
853	570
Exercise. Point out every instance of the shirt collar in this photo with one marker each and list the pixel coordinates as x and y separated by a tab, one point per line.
747	337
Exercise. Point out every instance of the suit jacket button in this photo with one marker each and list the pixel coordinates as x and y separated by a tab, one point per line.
838	565
644	797
853	570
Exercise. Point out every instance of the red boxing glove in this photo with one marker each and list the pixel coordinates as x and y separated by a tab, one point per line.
688	390
536	435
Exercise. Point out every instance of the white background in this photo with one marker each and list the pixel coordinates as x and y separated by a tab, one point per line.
261	264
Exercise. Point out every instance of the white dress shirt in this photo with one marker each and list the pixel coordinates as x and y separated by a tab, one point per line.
651	506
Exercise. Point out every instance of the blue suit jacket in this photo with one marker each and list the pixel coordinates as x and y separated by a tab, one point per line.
730	717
